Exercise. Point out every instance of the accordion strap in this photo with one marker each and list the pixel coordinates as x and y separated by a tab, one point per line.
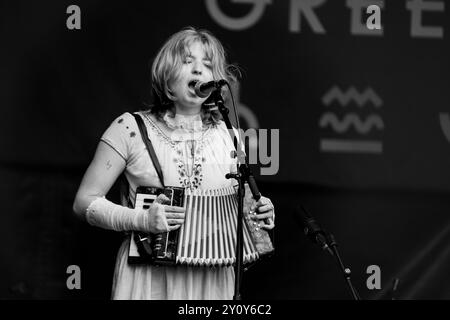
148	144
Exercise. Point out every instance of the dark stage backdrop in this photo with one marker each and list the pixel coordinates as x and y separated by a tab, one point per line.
360	120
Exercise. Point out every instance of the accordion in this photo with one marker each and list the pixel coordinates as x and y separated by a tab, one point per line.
208	235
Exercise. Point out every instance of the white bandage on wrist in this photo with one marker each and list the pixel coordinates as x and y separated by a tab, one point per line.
108	215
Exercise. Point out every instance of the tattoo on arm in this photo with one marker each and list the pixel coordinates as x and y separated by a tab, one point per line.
108	165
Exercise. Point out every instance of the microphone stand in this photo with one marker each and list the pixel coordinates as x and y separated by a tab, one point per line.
345	271
328	243
244	175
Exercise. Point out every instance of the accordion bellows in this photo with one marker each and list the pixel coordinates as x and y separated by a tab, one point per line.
208	235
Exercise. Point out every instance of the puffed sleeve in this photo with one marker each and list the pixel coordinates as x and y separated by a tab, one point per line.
121	135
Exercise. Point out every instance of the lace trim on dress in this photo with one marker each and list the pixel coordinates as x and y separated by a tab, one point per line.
158	131
188	142
189	123
180	134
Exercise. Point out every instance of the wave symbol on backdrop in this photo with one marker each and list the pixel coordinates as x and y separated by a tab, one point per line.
352	120
344	98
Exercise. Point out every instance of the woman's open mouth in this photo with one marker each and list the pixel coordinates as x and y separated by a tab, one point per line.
192	83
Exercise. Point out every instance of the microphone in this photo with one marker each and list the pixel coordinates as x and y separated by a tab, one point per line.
204	89
313	230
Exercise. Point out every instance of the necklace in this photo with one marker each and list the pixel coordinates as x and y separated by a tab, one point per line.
189	132
190	149
192	160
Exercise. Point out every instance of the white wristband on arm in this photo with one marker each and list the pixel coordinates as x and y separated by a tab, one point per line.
108	215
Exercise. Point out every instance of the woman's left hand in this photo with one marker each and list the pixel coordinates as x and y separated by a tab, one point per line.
263	211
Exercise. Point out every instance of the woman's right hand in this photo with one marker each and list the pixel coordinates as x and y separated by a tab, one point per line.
163	218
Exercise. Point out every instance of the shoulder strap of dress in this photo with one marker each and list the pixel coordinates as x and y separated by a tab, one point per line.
148	144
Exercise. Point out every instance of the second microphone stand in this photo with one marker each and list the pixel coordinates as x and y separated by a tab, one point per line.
345	271
328	243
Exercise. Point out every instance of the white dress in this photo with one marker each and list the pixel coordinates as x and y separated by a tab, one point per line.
192	156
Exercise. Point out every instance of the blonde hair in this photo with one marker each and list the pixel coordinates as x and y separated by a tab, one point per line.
168	61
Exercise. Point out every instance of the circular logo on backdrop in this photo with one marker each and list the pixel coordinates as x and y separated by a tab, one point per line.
245	22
